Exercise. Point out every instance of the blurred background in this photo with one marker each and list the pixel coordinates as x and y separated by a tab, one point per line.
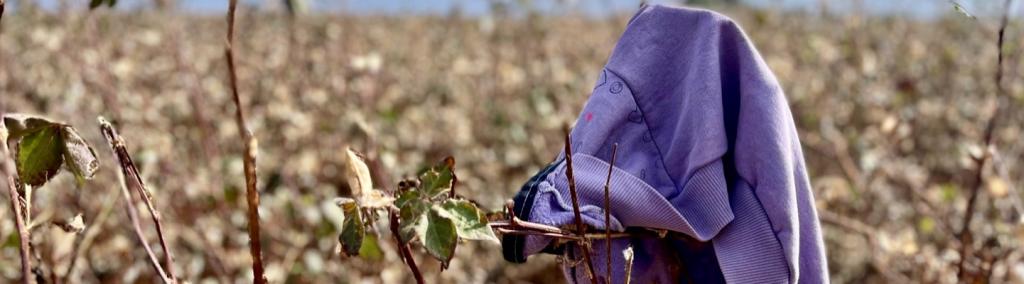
891	99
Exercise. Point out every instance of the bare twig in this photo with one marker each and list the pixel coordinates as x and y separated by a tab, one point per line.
9	170
966	236
249	157
607	215
129	172
628	256
580	229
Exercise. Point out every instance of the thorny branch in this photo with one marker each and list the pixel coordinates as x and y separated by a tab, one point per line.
249	157
130	175
966	236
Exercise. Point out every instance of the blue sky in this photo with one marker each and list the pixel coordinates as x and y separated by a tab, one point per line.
919	8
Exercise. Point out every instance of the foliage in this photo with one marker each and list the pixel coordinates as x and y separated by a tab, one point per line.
886	108
44	146
428	212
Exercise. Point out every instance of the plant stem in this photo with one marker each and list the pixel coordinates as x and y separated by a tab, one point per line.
607	215
130	172
580	229
9	170
249	157
966	236
403	248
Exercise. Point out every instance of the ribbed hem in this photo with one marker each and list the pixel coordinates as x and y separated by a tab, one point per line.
637	204
748	250
704	201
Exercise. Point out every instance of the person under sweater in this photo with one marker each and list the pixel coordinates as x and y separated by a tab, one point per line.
707	150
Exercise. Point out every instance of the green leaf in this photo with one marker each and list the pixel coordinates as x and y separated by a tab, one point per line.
78	155
470	221
438	179
439	237
352	231
111	3
963	11
40	155
412	214
370	250
95	3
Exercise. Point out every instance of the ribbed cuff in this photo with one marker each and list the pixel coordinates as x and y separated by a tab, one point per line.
704	201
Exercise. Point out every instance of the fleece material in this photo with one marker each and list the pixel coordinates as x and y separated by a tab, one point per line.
708	150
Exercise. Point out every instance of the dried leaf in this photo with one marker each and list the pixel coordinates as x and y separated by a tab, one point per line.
357	172
78	155
360	182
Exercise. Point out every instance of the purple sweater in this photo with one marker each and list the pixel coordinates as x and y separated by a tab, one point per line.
707	148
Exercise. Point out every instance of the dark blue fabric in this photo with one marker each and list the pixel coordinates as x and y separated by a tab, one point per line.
512	245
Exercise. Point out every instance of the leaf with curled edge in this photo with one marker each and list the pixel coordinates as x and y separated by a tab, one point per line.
361	183
18	125
79	157
352	230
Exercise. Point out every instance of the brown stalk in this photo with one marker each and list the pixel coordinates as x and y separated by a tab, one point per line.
580	228
966	236
607	215
130	176
403	248
9	170
249	157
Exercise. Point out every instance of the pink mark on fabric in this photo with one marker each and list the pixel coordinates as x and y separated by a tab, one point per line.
590	116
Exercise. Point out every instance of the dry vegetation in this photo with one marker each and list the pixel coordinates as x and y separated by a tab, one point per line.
890	112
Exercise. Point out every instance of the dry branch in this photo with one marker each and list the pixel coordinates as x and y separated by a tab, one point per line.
966	236
580	228
249	157
9	171
130	176
607	215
